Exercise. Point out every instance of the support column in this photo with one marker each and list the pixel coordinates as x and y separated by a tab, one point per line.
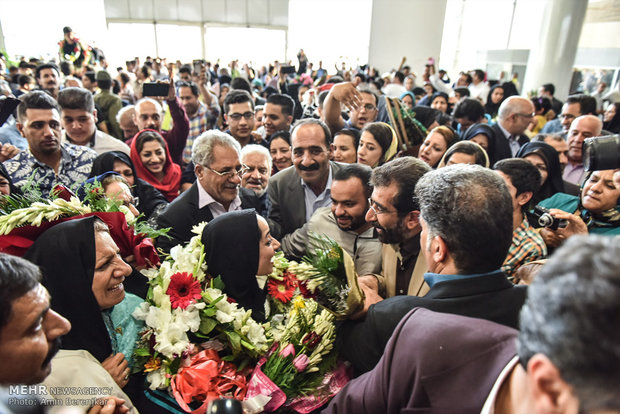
411	28
552	58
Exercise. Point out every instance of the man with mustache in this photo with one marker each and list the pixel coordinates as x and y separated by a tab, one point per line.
30	335
344	221
48	78
51	161
216	157
395	215
258	162
586	126
296	192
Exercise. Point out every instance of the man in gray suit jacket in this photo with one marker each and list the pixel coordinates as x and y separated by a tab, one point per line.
296	192
566	359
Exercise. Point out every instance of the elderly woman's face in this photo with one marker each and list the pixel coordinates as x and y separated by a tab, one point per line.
110	271
267	248
599	192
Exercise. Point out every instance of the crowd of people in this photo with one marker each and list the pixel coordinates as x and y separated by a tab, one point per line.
434	188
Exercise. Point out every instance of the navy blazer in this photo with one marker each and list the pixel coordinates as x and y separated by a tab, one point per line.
502	148
490	296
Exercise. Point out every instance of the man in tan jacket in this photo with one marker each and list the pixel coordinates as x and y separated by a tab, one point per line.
394	213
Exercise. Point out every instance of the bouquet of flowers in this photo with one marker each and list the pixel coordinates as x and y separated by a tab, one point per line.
329	275
198	345
24	217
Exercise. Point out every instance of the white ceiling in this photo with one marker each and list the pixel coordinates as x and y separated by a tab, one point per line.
237	12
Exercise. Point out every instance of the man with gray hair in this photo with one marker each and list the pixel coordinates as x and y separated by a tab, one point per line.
125	118
566	359
78	117
256	178
216	157
466	220
514	115
585	126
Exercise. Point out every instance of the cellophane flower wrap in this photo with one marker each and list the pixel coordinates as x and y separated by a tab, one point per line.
328	272
200	345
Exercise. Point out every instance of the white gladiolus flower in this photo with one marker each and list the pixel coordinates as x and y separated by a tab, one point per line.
172	341
157	379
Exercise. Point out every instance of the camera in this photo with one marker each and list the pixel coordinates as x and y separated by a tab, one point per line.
601	153
545	219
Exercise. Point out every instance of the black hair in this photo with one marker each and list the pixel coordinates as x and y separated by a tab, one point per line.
361	171
463	92
23	80
312	121
322	97
354	134
241	84
237	96
191	85
549	87
148	136
405	172
400	76
90	75
37	72
283	101
19	277
76	98
469	108
524	176
283	135
35	100
543	103
587	104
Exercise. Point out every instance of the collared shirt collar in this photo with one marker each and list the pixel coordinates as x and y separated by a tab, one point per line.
313	201
205	199
91	141
432	278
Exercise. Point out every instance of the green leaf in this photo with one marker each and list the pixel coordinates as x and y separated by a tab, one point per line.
142	352
228	358
207	325
209	311
218	283
235	340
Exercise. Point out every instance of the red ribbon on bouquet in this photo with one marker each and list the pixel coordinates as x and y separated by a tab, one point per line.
205	379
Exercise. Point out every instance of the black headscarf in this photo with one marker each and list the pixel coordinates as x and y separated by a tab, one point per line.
487	131
66	255
554	183
5	174
490	107
232	243
149	198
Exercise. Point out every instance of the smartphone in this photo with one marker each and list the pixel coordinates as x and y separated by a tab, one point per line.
198	65
288	69
155	89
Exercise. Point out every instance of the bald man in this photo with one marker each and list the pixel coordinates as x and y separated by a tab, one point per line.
583	127
513	117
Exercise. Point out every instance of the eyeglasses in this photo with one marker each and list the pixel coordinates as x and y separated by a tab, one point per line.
377	209
532	115
570	117
230	173
368	107
237	117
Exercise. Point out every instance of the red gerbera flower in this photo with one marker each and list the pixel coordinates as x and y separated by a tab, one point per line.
183	290
305	292
280	290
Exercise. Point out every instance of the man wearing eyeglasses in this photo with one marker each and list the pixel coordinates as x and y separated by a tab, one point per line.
514	115
216	156
239	114
575	106
362	105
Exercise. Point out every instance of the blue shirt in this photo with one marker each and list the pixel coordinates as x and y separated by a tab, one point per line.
75	165
433	278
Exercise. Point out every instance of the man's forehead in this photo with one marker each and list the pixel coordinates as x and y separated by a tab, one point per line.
33	115
385	194
254	159
271	108
571	108
368	98
74	113
239	107
352	184
48	72
146	108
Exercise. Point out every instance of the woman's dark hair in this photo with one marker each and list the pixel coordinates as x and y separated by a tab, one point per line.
614	125
355	136
147	136
283	135
541	103
382	133
469	148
